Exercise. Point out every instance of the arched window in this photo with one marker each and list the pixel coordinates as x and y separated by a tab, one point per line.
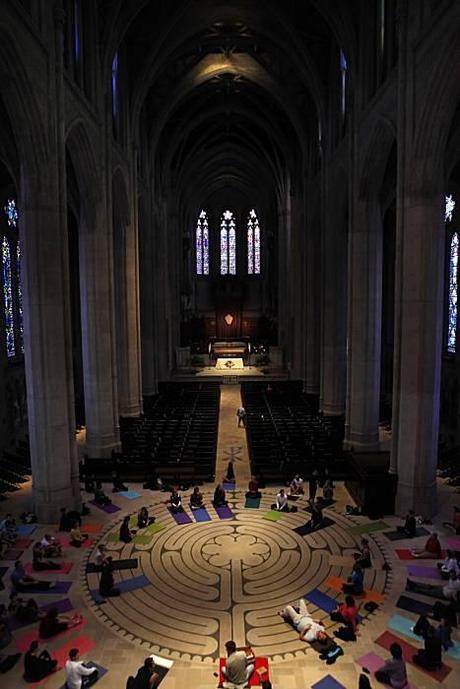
8	298
253	244
227	244
453	281
19	293
343	84
202	244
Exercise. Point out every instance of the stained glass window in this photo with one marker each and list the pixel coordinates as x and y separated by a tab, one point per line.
20	313
115	85
253	244
202	244
453	294
449	208
8	298
343	72
227	244
11	213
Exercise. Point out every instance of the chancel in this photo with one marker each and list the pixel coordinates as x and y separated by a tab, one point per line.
229	354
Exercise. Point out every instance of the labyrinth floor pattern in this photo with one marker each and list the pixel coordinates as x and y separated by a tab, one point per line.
223	579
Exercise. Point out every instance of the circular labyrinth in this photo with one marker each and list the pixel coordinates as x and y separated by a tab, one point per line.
227	579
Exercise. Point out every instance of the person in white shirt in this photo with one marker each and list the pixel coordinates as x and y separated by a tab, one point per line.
309	630
282	501
448	565
448	591
77	676
296	487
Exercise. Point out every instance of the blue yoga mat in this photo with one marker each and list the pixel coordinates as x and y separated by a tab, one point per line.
227	485
327	682
414	605
133	584
26	529
130	494
321	600
403	625
201	515
101	670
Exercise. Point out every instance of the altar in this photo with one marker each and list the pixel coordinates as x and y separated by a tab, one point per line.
229	363
229	349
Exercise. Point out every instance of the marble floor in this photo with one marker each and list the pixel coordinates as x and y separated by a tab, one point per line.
206	582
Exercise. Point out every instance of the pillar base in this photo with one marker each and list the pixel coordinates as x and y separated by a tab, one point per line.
362	442
133	410
333	410
422	499
97	448
47	504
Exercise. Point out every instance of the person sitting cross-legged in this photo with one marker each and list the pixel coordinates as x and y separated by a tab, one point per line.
410	525
146	677
393	672
219	499
51	546
126	533
348	614
430	657
175	501
448	590
309	630
77	674
53	623
77	538
355	582
282	501
37	665
253	489
432	548
39	561
23	582
236	670
143	518
196	499
449	564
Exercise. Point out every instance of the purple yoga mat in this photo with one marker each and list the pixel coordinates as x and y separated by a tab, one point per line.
427	572
63	606
229	485
180	517
224	512
373	662
108	509
61	587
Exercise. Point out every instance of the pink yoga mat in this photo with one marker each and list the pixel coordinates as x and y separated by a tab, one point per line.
373	662
24	640
454	543
64	568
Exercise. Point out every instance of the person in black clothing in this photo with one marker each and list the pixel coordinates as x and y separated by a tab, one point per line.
430	658
36	666
143	518
39	561
146	677
316	515
230	475
219	496
175	501
410	525
68	519
447	611
313	485
126	535
107	586
53	623
118	484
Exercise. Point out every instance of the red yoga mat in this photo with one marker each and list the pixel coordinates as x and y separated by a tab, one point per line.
405	554
84	645
257	677
387	638
24	640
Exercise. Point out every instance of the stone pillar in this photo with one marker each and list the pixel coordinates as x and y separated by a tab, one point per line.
296	338
419	295
98	331
364	321
147	272
284	307
334	313
313	311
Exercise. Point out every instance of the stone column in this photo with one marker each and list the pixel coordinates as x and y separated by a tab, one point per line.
296	338
313	310
147	272
284	307
364	322
419	295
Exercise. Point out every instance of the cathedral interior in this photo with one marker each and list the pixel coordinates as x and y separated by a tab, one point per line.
208	207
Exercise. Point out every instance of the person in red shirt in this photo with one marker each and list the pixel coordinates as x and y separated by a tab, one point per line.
348	614
431	550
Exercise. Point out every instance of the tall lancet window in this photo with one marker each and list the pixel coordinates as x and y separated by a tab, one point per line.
453	281
343	84
227	244
8	298
19	292
253	244
202	244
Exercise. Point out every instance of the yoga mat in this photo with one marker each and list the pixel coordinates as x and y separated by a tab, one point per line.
132	563
201	515
454	543
304	530
133	584
108	509
101	670
274	515
403	625
112	538
260	674
327	682
23	543
63	606
180	517
224	512
387	638
368	528
336	584
373	662
405	554
66	544
142	539
97	597
83	643
26	529
397	536
64	568
252	503
413	605
229	485
152	529
130	494
61	587
12	554
24	640
427	572
321	600
91	528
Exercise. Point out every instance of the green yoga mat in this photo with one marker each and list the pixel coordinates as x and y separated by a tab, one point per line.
274	515
252	503
368	528
148	534
112	538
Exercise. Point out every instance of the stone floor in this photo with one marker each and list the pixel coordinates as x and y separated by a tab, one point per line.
225	578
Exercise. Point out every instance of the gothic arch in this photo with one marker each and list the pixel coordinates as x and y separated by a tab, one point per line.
81	152
376	157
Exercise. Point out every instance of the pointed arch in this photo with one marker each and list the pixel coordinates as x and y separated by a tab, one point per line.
253	243
202	244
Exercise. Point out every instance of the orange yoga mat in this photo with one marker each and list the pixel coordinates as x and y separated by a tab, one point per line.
336	583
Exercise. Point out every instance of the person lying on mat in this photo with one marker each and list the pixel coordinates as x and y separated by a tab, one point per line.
77	675
219	496
449	590
175	501
454	525
107	587
253	489
316	515
39	561
347	613
126	534
430	657
309	630
23	582
196	499
143	518
37	665
355	583
393	671
146	677
77	538
237	670
296	486
282	502
432	548
364	556
51	546
449	564
53	623
410	525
